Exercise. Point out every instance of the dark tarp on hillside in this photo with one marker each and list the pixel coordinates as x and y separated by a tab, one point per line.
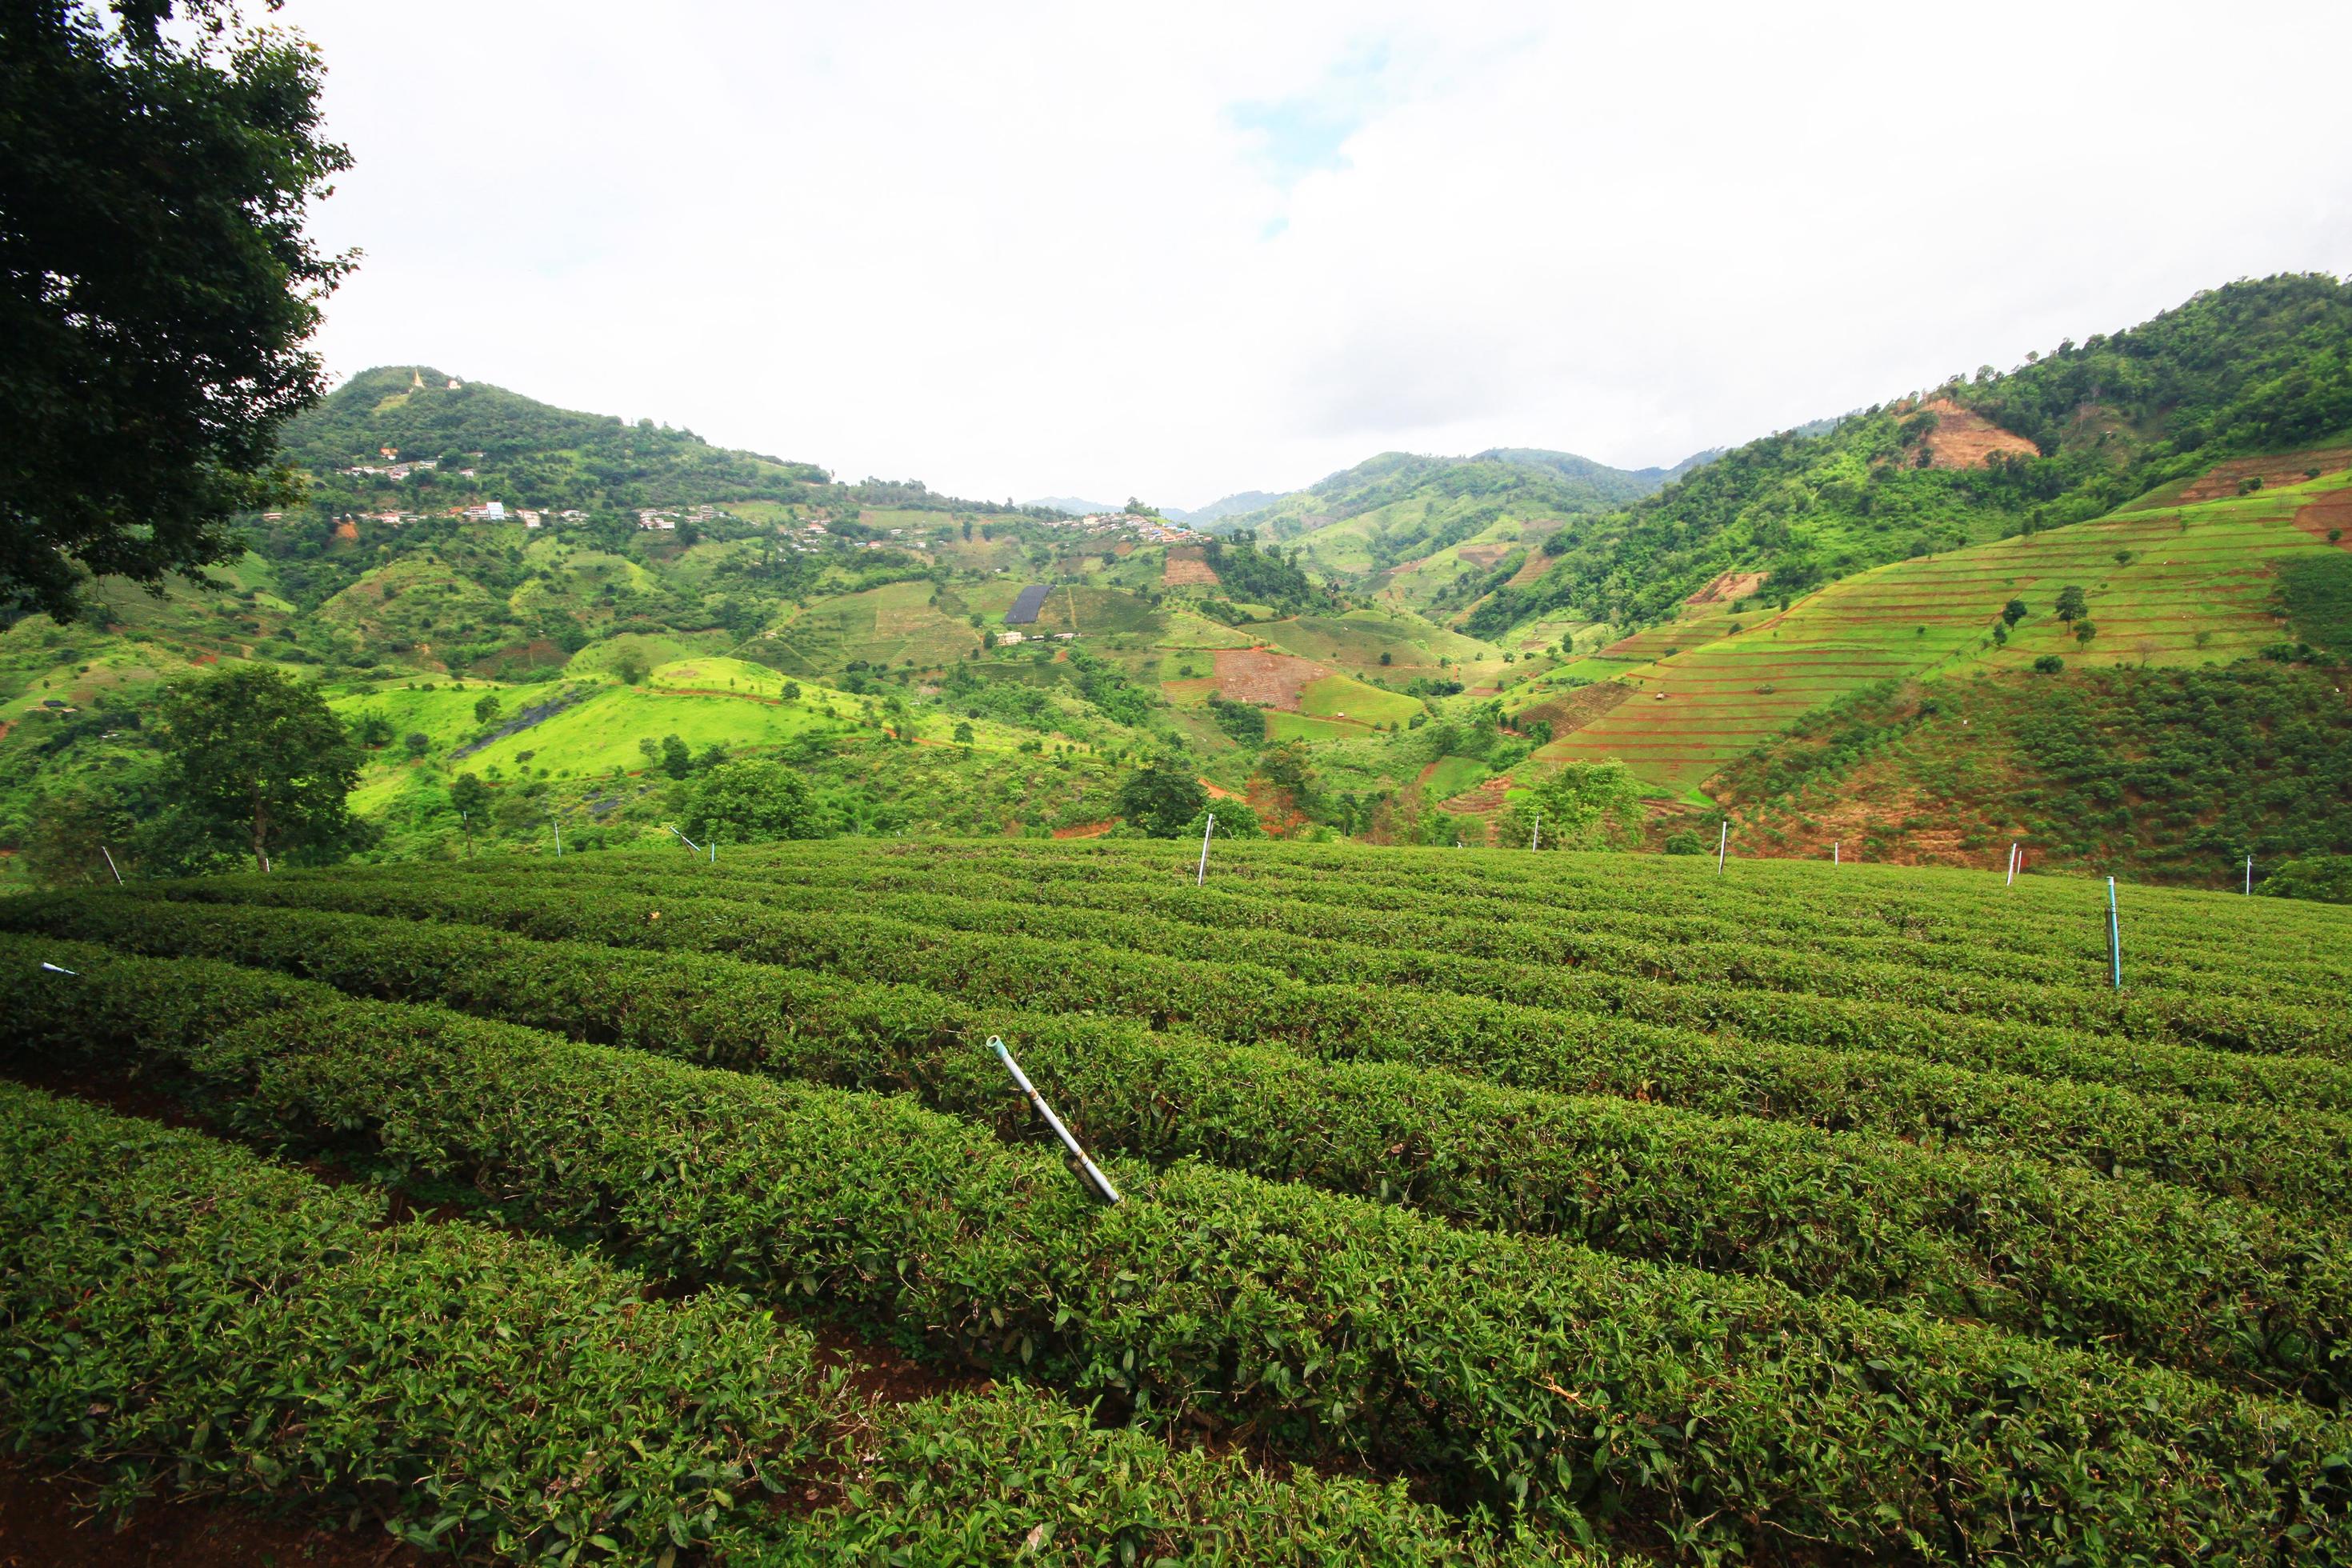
1024	608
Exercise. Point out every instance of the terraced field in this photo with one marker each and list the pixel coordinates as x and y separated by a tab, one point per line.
1542	1207
2186	583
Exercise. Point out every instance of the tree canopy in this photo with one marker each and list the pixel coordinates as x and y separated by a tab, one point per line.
1161	798
750	803
256	759
157	161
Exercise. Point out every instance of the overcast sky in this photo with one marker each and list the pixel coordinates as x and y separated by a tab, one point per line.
1012	250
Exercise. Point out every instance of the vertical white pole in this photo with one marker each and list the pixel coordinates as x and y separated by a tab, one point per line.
558	837
111	865
2115	935
2012	865
1535	840
1837	848
1722	842
1200	877
2250	876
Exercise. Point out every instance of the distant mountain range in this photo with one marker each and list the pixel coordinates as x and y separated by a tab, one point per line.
1230	505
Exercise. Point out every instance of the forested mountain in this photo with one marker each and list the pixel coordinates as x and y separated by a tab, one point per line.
2249	367
1530	480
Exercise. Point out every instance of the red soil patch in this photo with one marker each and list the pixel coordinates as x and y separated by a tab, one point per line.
1484	801
2224	479
1270	680
1085	829
1568	714
1730	586
44	1523
1187	568
1533	567
347	530
2320	514
1965	439
1218	792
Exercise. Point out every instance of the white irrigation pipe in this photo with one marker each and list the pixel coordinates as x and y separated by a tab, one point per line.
2115	935
1200	877
111	865
2250	876
1100	1182
2012	865
1722	842
682	838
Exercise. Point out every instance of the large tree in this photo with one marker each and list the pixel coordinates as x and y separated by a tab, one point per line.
748	803
157	161
256	759
1162	798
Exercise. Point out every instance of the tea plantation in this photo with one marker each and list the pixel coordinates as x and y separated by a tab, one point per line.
1477	1207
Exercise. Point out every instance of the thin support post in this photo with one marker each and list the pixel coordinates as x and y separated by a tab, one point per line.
111	865
2115	937
682	838
2012	865
1535	840
1836	848
2250	876
1722	844
1201	876
558	837
1095	1178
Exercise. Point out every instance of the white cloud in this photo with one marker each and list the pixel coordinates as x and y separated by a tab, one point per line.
1014	250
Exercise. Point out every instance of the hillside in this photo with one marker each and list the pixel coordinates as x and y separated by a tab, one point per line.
1406	635
2250	368
2190	584
1435	535
2123	766
632	584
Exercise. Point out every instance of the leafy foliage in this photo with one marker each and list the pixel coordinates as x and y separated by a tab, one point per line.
1161	798
155	170
750	803
254	759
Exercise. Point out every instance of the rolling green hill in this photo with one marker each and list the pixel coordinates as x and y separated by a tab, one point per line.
2250	368
1414	631
1400	508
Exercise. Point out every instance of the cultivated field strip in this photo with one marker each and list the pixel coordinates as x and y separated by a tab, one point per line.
2056	926
2226	1290
474	1391
2293	1159
1484	959
1525	1374
176	1308
2176	1016
1939	918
